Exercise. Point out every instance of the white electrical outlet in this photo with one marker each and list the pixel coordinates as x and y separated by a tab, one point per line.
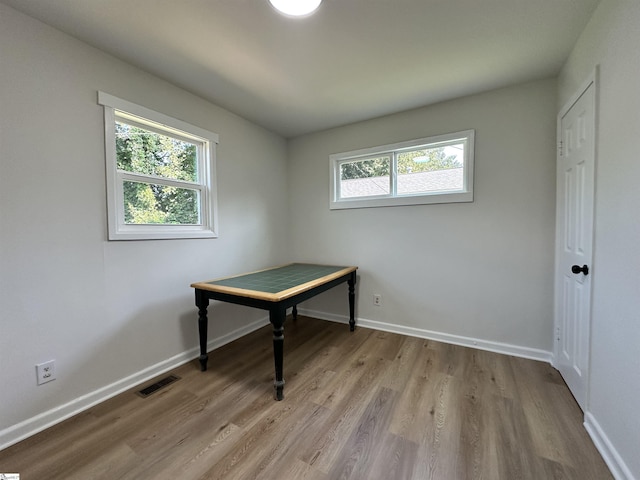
377	299
46	372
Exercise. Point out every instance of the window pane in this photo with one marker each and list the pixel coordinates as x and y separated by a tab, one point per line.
147	203
150	153
365	178
431	170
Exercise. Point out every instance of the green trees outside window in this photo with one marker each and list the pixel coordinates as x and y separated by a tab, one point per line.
414	161
145	152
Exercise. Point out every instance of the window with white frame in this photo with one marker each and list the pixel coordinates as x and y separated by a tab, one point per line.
160	174
427	170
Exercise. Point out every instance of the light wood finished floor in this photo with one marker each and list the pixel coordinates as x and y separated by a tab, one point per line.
364	405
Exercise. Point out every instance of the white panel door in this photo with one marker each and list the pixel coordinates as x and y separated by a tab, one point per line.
574	238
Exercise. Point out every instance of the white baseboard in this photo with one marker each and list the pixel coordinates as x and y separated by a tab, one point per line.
31	426
497	347
612	458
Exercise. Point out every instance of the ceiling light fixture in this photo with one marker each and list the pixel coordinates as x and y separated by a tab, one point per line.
295	8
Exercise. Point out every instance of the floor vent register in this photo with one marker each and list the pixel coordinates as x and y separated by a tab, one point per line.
145	392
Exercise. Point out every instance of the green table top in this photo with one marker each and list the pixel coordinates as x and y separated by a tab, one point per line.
278	282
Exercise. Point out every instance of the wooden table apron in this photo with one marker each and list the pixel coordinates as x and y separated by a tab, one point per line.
277	314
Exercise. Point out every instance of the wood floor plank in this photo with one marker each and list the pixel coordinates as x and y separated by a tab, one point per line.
540	412
363	446
415	412
511	440
401	370
358	405
396	460
328	442
299	470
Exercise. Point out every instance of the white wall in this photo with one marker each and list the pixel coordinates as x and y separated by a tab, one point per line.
611	40
476	272
107	310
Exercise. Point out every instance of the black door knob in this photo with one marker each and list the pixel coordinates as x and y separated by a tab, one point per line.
577	269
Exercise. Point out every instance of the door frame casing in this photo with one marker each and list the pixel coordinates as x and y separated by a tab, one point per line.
591	80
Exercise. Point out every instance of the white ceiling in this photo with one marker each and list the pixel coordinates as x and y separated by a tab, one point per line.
349	61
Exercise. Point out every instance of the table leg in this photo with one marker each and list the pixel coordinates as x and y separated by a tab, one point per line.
352	298
276	317
202	302
294	313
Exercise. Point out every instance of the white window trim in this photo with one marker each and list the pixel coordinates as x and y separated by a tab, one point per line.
392	199
118	229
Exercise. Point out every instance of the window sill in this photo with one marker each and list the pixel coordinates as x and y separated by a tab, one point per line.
434	198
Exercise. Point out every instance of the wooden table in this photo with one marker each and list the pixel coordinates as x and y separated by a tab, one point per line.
274	289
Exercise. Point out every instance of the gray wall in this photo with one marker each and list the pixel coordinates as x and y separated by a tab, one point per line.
476	273
109	313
